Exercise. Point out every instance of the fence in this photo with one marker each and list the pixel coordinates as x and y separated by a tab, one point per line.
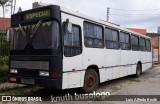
4	45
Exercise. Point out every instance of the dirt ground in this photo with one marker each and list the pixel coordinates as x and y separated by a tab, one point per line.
147	84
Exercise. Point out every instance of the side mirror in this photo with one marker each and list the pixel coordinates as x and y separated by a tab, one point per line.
69	27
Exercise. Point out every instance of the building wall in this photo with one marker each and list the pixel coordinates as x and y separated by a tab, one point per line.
5	23
156	46
141	31
155	37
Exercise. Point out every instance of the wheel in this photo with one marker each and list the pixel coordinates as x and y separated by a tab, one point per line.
91	81
138	70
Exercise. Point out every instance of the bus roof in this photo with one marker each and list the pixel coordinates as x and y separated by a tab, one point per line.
80	15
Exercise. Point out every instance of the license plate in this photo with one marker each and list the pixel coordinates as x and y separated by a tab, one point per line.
27	81
12	79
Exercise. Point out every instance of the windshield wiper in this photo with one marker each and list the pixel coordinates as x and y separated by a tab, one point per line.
22	30
37	26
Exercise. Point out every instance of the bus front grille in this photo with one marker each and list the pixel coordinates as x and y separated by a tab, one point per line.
41	65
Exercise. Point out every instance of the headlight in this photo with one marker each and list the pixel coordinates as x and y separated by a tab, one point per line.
44	73
13	71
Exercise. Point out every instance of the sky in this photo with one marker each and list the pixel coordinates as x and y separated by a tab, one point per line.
143	14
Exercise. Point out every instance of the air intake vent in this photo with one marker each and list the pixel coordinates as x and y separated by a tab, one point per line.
30	64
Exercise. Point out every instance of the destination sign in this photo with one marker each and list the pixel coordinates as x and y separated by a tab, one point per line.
36	15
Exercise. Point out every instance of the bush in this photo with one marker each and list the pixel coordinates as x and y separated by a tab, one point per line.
4	45
3	60
3	79
3	71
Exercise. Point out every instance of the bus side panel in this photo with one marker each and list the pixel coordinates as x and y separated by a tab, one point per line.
146	63
72	77
143	60
103	75
95	56
149	59
109	73
125	62
113	58
135	59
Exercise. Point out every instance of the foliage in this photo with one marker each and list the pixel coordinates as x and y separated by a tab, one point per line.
4	4
8	3
3	60
4	45
3	79
12	5
3	71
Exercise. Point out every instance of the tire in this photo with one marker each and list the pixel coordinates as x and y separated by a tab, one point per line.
138	70
91	81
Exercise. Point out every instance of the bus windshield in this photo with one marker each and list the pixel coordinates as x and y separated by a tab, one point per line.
43	36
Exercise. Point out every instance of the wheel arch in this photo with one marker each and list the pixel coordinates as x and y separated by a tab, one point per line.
140	63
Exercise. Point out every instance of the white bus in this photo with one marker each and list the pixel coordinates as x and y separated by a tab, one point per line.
71	50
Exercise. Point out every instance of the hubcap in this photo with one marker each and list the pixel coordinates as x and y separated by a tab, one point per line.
90	80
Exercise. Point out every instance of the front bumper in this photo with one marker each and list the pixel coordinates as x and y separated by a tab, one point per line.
43	82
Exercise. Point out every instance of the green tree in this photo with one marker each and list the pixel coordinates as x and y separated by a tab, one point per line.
12	4
4	45
4	4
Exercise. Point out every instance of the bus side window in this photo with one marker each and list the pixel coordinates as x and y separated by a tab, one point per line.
142	44
93	35
111	39
125	41
148	45
135	43
72	41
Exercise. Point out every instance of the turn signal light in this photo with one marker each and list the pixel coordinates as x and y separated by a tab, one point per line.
54	73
